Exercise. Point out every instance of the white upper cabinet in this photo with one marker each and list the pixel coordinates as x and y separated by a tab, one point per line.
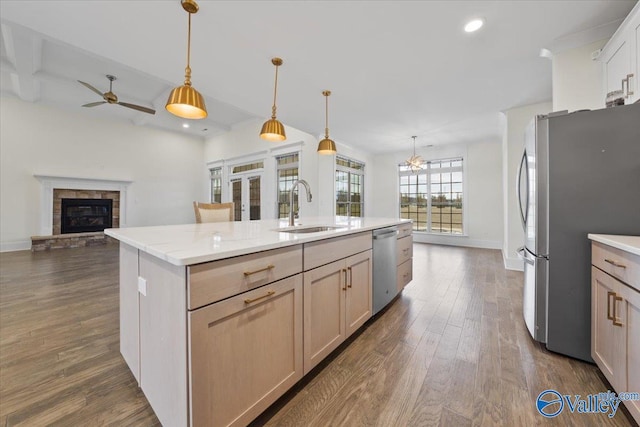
621	59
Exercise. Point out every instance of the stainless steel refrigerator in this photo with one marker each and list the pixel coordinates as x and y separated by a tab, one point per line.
579	174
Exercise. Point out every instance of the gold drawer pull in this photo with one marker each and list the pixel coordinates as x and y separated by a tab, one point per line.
616	322
268	267
609	295
249	301
350	277
614	263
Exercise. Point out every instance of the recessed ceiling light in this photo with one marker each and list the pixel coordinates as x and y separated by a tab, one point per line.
473	25
185	125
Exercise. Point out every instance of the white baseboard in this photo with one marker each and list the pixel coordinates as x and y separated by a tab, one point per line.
512	263
456	241
21	245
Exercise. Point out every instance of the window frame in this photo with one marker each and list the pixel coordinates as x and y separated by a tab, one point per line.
215	174
278	168
428	172
349	171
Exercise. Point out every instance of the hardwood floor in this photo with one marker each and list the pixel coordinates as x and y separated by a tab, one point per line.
452	350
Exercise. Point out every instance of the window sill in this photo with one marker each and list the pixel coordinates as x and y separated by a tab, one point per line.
427	233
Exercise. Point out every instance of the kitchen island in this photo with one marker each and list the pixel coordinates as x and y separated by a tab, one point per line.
218	320
615	313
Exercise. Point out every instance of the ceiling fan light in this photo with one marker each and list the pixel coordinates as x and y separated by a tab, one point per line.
327	146
273	130
186	102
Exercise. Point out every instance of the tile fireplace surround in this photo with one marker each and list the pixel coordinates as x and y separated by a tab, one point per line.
54	189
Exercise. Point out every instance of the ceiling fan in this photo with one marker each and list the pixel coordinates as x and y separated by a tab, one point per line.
111	98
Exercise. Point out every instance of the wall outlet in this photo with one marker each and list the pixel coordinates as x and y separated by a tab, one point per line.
142	285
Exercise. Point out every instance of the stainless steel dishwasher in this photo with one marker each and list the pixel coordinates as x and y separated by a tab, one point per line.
384	267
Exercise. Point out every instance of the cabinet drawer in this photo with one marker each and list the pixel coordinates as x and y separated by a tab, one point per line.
620	264
246	352
326	251
404	249
405	230
217	280
404	274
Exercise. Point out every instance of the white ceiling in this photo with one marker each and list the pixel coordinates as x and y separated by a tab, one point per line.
395	68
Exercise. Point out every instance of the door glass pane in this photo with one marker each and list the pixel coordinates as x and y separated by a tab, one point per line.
236	192
254	197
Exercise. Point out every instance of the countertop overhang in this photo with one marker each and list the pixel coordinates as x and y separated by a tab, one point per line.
188	244
629	244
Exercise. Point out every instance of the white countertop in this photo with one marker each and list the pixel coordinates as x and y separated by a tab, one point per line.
629	244
188	244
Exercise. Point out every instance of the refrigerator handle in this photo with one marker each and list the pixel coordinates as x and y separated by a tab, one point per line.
525	166
522	256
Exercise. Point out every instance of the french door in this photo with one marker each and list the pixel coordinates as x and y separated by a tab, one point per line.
246	194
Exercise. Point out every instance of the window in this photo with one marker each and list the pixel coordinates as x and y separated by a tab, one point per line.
216	185
432	197
349	187
287	172
247	167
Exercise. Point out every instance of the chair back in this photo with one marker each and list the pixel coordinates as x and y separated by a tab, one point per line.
213	212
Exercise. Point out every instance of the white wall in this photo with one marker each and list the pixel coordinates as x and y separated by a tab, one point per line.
317	170
512	149
577	79
36	139
483	191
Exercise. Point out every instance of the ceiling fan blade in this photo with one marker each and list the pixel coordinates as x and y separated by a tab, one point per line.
138	107
94	104
91	88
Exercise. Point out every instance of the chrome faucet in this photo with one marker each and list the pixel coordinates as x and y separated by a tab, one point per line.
293	188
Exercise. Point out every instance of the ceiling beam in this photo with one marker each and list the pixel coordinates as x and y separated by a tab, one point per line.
24	52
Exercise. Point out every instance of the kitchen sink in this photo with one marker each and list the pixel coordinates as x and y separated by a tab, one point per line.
308	229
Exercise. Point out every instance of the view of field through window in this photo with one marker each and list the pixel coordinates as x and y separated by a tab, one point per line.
433	196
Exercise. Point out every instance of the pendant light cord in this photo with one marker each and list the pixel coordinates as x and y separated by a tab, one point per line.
187	71
326	117
275	92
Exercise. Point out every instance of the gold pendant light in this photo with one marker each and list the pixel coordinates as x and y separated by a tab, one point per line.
272	129
184	101
326	146
415	163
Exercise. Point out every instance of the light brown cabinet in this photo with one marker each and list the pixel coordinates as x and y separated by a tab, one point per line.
337	301
214	344
607	335
615	319
246	351
404	256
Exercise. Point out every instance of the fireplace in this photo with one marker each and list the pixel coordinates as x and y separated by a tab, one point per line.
85	215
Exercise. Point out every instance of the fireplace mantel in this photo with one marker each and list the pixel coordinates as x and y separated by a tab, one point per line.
49	182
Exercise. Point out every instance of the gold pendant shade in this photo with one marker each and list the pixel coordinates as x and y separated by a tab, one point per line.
184	101
272	129
326	146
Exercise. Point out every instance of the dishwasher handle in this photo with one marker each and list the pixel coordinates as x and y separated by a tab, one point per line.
385	234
